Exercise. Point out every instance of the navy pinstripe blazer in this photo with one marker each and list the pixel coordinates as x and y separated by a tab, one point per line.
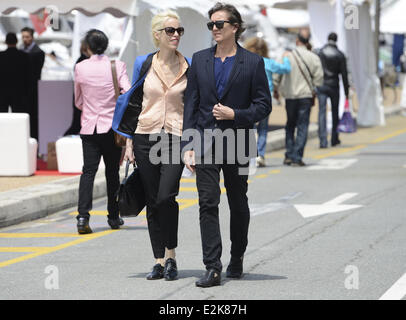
247	92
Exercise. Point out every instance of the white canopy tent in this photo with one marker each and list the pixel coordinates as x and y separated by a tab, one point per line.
393	19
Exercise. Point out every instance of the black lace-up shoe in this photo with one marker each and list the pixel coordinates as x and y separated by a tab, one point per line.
156	273
170	270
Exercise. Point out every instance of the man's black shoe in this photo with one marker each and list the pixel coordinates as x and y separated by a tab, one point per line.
335	143
235	268
156	273
115	223
287	161
170	270
83	226
211	278
299	163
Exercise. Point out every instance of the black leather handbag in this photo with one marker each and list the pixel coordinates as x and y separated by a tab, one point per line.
130	196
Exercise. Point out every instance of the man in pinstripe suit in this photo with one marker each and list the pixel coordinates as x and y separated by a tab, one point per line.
227	91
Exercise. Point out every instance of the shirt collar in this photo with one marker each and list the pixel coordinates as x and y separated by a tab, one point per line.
98	57
29	48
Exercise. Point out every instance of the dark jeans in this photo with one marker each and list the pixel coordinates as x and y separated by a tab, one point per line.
323	93
298	114
161	185
208	185
94	147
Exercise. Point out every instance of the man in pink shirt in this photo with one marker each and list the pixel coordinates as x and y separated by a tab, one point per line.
95	96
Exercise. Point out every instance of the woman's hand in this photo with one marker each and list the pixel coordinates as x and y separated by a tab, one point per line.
129	153
189	160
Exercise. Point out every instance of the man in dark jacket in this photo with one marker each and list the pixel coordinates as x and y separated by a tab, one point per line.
14	77
227	91
37	58
334	63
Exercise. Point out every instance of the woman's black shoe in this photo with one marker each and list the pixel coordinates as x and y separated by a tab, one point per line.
156	273
211	278
170	270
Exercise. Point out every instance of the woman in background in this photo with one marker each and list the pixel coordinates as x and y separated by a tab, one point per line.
259	46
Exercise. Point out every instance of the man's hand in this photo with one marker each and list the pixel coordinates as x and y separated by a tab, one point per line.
189	160
129	154
221	112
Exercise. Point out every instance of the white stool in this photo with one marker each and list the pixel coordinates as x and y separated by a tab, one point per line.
69	155
18	155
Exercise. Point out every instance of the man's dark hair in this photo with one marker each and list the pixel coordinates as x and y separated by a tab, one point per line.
234	16
332	36
11	38
97	41
27	29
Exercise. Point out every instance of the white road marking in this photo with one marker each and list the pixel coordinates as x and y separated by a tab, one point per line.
397	291
333	164
258	209
332	206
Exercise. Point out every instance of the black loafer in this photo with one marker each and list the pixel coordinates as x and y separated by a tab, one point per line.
115	223
156	273
287	162
299	163
170	270
83	226
211	278
235	268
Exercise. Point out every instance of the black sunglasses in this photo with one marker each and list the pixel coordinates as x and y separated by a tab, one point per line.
219	24
170	31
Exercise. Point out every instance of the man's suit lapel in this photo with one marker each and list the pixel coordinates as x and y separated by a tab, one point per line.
235	70
210	70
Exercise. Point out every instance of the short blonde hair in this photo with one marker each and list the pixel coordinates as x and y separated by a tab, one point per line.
158	21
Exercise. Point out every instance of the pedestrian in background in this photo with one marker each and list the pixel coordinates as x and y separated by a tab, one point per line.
334	64
158	86
227	91
298	89
95	96
37	58
259	46
14	77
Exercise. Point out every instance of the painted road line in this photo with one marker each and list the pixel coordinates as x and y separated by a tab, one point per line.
391	135
261	176
83	238
274	171
40	235
23	249
333	164
339	151
397	291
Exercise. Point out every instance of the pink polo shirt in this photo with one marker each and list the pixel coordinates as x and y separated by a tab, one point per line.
94	92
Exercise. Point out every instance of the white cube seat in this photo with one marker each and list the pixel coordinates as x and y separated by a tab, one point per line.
18	155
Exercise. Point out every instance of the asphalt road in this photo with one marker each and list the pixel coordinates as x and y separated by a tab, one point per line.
335	229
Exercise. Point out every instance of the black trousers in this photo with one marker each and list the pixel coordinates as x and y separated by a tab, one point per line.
94	147
161	179
208	185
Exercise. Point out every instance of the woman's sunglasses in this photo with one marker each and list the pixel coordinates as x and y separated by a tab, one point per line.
170	31
219	24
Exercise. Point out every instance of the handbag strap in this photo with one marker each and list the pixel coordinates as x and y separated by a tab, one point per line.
115	81
303	74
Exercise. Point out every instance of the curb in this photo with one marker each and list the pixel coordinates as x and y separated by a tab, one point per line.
35	202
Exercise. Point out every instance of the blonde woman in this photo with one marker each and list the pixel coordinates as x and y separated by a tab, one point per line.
158	84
